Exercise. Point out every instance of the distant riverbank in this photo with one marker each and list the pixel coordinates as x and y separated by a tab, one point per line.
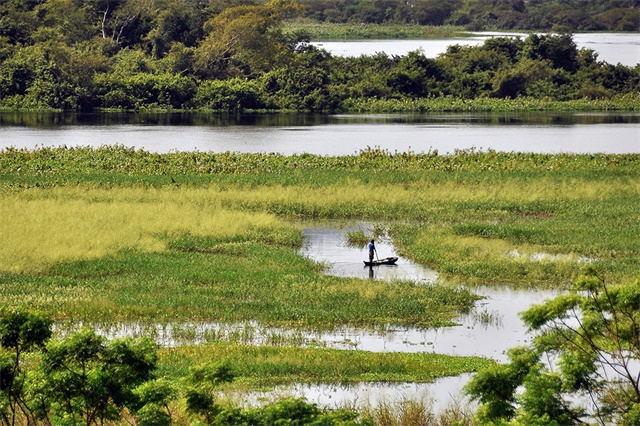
628	103
360	31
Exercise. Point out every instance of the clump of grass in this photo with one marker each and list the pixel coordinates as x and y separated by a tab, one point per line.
357	238
410	413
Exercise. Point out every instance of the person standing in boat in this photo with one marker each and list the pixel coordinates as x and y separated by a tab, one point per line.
372	250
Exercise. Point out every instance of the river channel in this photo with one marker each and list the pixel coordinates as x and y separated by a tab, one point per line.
323	134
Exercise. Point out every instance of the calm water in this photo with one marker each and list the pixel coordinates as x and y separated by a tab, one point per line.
488	330
611	47
342	134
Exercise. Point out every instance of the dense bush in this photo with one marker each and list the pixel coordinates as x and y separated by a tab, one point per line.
144	90
228	95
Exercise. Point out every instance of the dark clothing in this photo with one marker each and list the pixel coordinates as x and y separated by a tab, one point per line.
372	250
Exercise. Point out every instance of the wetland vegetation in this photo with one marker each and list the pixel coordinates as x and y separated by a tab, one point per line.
115	238
99	234
464	215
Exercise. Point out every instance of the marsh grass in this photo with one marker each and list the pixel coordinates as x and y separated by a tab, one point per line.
227	266
357	238
629	102
418	413
265	366
461	215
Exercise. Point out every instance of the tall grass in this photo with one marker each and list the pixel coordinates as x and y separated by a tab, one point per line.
41	229
417	413
258	366
629	102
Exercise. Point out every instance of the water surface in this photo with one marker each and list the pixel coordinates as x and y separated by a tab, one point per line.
342	134
613	48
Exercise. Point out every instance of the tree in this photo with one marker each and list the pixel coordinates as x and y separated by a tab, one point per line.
560	50
89	380
592	336
20	332
205	381
415	75
245	40
177	21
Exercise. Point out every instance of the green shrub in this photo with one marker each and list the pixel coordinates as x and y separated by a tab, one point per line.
228	95
142	90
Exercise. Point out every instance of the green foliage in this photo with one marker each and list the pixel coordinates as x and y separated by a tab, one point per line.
228	95
152	402
84	379
304	84
286	412
205	380
90	379
182	54
598	15
363	31
244	36
593	332
495	386
144	90
20	332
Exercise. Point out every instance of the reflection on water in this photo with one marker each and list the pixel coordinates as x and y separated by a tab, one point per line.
294	121
327	134
489	330
438	395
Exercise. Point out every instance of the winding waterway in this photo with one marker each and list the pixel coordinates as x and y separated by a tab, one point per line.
489	329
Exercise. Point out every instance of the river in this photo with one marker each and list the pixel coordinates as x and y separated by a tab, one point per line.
613	48
324	134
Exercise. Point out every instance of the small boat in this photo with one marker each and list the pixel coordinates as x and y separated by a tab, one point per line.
385	261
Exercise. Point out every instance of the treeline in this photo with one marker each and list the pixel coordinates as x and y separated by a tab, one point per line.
556	15
163	54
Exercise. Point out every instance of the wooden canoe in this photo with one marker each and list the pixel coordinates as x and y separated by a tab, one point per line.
385	261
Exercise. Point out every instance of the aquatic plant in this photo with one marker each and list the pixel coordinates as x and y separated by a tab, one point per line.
357	238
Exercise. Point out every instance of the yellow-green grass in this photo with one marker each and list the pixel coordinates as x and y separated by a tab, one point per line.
259	366
464	215
164	255
41	228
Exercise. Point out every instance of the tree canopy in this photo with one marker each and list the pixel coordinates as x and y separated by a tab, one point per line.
168	54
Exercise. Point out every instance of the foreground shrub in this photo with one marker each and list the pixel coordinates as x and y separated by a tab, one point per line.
592	332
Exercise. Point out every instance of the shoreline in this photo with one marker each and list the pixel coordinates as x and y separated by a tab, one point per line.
625	103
